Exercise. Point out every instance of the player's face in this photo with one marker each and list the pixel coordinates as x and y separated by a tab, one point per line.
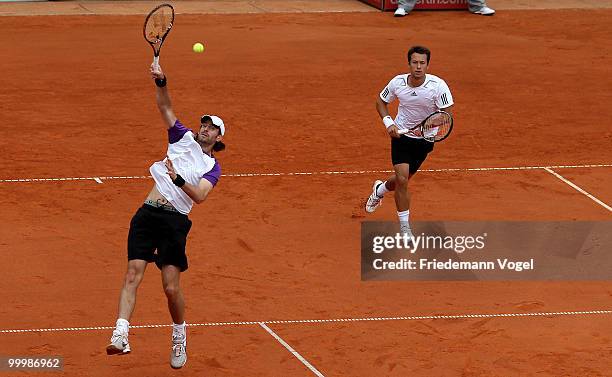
418	65
209	133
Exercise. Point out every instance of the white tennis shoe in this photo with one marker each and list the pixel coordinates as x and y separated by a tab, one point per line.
374	201
119	344
178	357
485	11
400	12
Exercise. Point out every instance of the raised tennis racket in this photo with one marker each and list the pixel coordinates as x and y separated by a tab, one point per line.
436	127
157	25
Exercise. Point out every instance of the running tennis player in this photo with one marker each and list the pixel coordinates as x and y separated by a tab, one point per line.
158	230
419	95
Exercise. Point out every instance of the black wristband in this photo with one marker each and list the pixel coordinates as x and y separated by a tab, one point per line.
160	82
178	181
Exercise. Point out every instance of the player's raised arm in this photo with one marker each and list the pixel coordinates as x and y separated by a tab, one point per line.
163	99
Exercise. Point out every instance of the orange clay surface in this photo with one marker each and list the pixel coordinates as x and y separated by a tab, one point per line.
297	92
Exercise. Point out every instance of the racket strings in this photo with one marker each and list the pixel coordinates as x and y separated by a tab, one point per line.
158	25
437	127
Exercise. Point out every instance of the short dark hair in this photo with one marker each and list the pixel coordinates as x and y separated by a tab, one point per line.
218	146
419	50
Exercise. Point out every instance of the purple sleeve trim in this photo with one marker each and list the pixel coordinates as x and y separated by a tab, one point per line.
176	132
214	174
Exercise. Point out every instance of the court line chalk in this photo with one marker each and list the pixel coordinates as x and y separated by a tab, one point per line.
332	320
339	172
579	189
290	349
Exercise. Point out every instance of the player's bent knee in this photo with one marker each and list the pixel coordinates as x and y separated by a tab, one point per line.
133	277
401	180
172	290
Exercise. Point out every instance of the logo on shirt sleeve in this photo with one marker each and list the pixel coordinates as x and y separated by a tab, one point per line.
444	99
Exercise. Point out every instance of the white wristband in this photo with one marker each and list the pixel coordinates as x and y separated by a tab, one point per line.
388	121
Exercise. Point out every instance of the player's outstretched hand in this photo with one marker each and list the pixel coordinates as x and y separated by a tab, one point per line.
393	131
170	167
156	71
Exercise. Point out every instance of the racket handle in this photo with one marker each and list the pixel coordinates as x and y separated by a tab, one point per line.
405	131
416	131
156	61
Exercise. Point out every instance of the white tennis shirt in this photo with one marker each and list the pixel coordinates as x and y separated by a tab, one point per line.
189	161
416	104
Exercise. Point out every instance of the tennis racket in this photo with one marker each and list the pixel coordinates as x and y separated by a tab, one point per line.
436	127
157	25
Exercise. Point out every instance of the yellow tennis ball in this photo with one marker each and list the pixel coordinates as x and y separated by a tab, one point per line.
198	47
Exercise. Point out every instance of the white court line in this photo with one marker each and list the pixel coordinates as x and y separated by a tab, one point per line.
580	190
340	172
332	320
97	179
290	349
143	13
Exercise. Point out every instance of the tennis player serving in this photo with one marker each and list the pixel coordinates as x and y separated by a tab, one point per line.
420	94
158	230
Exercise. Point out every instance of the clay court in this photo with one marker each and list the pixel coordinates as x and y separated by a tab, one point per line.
276	245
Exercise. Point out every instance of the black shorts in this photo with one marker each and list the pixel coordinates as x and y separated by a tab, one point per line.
411	151
157	235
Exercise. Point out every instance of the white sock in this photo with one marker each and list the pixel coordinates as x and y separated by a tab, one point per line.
381	190
123	325
403	216
179	330
404	224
